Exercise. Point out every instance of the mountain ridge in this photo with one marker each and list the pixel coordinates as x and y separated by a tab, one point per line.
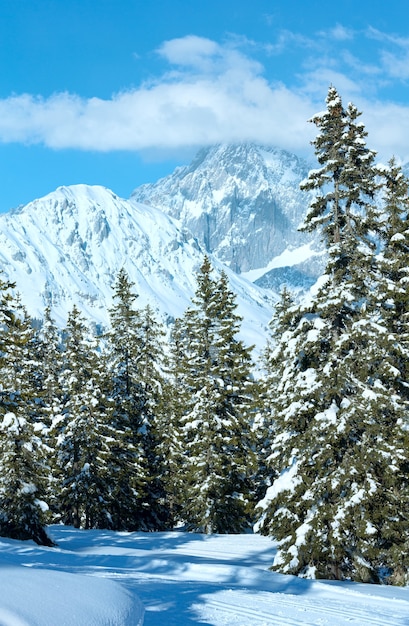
239	204
68	247
231	194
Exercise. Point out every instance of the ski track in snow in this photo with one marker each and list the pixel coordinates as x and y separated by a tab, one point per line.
272	610
185	579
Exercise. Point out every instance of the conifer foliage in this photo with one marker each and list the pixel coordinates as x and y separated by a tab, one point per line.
340	446
23	471
23	481
127	460
134	363
81	433
214	387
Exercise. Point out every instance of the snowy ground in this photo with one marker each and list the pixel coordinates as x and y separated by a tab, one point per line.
96	578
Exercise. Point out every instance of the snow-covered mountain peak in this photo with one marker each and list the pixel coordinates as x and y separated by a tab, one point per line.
236	159
68	247
220	172
80	195
85	213
242	202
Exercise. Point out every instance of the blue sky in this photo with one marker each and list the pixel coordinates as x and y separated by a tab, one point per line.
118	92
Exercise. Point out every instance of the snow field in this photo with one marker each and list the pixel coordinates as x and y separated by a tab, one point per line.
98	578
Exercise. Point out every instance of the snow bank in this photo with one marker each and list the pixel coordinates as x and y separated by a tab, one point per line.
40	597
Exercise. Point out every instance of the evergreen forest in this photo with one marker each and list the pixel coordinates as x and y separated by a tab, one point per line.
139	428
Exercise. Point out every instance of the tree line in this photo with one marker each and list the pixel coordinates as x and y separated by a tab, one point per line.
121	431
131	432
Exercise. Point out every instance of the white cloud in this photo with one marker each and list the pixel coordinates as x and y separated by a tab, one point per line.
378	35
340	33
396	65
393	55
213	93
318	80
356	64
190	50
286	40
388	128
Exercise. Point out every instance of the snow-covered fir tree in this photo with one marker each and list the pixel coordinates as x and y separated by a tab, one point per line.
341	441
82	432
392	293
133	388
49	366
23	471
215	416
175	399
18	364
150	365
23	481
283	318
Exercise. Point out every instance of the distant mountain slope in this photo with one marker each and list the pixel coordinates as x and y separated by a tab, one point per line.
68	247
242	202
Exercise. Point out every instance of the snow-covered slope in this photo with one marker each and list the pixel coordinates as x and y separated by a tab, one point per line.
242	202
68	247
96	578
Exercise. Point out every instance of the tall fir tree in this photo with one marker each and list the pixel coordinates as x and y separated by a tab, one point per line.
340	442
48	381
82	433
50	363
175	399
130	366
215	422
284	318
23	470
150	367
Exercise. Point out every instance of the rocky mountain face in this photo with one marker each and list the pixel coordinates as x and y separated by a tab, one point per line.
243	203
68	247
